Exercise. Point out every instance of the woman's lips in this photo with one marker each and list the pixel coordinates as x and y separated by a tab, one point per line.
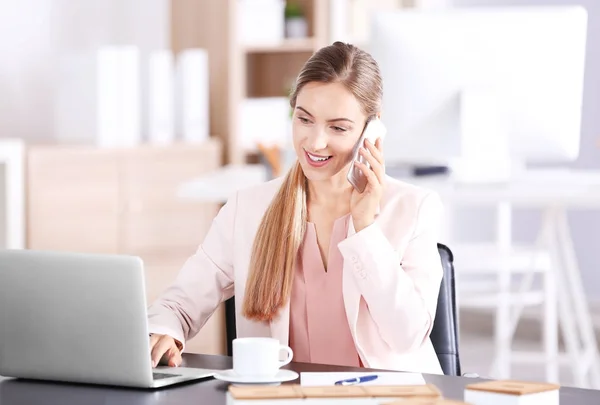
317	160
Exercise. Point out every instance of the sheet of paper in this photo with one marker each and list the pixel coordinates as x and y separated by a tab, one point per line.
383	378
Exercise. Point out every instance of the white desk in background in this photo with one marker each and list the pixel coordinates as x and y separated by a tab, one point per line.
217	186
551	191
575	189
12	193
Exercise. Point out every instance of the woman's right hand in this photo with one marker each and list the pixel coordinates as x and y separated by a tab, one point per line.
164	350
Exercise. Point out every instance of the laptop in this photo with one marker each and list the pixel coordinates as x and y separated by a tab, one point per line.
81	318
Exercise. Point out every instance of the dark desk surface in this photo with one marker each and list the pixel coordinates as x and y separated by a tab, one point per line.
13	392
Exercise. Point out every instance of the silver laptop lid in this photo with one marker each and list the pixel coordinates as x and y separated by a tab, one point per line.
73	317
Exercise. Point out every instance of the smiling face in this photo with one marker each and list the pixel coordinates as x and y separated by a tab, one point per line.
327	123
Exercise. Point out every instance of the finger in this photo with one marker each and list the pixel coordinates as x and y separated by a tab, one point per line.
153	339
375	165
376	150
379	145
175	357
369	174
159	350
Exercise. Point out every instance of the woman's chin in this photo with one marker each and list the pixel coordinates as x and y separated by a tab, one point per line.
316	174
321	173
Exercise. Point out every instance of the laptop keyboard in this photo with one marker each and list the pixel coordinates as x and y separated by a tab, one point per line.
161	376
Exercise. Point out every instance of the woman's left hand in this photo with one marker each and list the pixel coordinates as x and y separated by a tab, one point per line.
363	206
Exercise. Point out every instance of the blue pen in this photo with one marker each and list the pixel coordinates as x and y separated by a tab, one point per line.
357	380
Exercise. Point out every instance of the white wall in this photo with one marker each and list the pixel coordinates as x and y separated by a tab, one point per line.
35	33
585	225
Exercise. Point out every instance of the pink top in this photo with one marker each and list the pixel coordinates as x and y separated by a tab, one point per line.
319	331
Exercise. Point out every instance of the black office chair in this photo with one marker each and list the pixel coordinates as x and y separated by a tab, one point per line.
444	334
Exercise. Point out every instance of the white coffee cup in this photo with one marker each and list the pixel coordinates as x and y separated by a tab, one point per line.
259	357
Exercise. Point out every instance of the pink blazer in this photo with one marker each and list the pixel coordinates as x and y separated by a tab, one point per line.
392	274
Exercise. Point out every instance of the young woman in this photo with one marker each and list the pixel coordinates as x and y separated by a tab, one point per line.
343	277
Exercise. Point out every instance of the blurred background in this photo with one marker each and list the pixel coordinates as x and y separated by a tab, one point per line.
125	125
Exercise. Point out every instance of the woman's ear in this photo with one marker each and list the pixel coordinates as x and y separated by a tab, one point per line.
379	115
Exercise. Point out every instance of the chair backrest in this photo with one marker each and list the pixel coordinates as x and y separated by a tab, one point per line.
230	324
444	334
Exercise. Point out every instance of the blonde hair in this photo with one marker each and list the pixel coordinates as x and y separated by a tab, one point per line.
281	231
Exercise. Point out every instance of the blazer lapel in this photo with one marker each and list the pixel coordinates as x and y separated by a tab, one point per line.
350	290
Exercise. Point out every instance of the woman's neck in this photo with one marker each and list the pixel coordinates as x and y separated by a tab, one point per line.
332	192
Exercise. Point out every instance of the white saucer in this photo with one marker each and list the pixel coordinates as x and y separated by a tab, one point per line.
231	377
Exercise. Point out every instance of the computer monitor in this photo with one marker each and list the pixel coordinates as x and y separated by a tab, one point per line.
515	71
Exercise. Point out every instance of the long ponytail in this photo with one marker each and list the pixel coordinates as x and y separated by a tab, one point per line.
276	248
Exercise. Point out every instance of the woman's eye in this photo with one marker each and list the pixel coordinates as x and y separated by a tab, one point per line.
303	120
339	129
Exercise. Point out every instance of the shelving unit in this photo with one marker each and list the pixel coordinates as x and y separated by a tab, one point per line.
238	71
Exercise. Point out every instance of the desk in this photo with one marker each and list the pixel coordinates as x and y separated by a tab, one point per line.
210	392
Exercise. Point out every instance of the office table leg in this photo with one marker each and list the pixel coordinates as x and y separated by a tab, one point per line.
576	307
549	327
550	306
503	336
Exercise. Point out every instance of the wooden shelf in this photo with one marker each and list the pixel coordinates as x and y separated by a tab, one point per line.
287	45
272	74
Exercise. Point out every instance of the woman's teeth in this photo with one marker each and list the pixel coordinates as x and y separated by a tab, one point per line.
318	159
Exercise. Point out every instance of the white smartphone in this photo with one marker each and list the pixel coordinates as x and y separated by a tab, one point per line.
373	130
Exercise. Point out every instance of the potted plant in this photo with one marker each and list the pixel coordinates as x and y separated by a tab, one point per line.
295	21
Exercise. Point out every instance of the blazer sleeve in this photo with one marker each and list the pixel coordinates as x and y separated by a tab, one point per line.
204	281
401	293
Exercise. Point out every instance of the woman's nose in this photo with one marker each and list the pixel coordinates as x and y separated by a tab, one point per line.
317	140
